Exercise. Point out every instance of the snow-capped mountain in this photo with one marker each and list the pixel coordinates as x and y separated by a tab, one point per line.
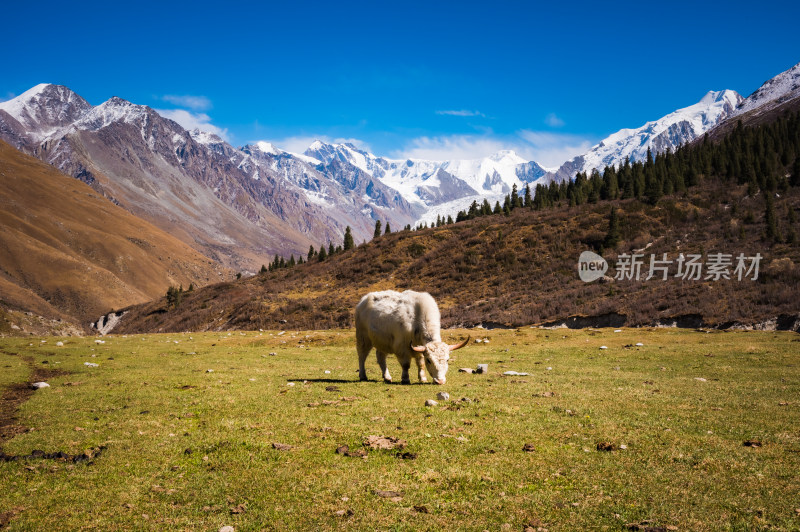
237	206
668	132
39	112
436	186
774	92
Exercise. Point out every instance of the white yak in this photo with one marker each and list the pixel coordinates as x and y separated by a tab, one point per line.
406	324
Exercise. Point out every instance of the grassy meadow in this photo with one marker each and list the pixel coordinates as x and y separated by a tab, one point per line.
187	423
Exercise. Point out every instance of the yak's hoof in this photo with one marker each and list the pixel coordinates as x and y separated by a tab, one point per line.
405	382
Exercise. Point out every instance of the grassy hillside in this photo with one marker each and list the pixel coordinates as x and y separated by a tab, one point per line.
522	269
626	437
66	253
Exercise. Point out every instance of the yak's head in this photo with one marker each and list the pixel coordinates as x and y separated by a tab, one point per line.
436	354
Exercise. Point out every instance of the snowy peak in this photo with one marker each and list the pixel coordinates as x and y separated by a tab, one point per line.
668	132
109	112
46	107
782	88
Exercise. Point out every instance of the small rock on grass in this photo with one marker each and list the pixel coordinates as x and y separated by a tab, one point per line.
431	402
466	370
443	396
282	446
38	385
345	451
529	447
344	513
227	528
421	509
752	443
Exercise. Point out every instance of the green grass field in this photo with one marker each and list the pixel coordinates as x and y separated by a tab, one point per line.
192	449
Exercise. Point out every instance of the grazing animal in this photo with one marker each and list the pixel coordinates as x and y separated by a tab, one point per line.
406	324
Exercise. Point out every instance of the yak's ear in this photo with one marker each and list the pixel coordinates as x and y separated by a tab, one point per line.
418	348
453	347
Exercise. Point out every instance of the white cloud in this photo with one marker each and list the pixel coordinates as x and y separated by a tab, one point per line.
553	121
191	121
451	147
299	144
546	148
552	149
462	112
196	103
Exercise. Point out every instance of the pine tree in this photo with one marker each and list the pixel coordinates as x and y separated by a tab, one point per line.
449	220
497	208
514	197
377	232
612	237
322	255
331	249
771	220
191	287
388	229
349	243
263	270
291	261
528	200
311	252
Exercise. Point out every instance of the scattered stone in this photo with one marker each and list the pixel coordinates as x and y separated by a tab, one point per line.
639	344
384	442
39	385
344	513
332	389
91	364
783	403
227	528
549	368
99	341
431	402
623	446
443	396
606	446
545	394
273	354
603	347
209	371
282	446
514	373
701	379
478	340
466	370
752	443
482	368
59	344
289	384
617	330
313	404
327	372
529	448
421	509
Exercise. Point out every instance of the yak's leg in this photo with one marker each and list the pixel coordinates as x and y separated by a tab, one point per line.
421	368
382	364
363	346
405	363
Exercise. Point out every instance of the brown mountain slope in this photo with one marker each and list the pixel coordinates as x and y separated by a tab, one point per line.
67	253
522	269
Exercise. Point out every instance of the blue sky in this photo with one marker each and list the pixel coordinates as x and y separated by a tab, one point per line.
426	79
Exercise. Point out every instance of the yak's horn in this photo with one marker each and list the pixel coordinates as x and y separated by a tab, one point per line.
453	347
418	348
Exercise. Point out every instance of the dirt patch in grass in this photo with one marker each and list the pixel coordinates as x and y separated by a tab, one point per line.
16	394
